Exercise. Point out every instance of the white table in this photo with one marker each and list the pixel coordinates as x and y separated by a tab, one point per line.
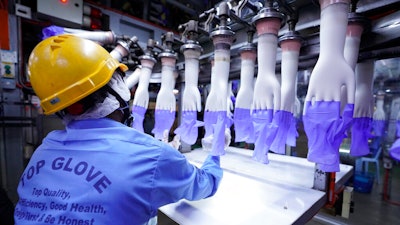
254	193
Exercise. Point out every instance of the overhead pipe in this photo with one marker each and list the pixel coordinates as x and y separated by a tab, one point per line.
102	37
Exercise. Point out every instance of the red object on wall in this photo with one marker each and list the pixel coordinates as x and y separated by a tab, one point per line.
4	33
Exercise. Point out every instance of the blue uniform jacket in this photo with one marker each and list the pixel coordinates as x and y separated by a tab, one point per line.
102	172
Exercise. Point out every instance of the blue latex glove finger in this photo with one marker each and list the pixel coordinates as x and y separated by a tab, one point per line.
188	129
163	121
138	117
52	31
378	127
394	151
244	130
360	134
292	133
210	118
320	121
283	120
218	145
261	120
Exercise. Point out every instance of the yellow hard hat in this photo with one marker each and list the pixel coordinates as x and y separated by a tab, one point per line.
65	69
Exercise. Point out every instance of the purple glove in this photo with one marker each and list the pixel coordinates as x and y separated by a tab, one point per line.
163	121
360	134
292	133
398	128
188	130
394	151
138	117
283	120
346	122
272	130
261	120
52	31
325	130
334	167
244	130
378	127
210	118
218	145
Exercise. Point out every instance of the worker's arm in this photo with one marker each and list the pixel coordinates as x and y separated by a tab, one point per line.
176	178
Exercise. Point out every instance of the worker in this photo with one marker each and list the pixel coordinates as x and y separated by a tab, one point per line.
98	170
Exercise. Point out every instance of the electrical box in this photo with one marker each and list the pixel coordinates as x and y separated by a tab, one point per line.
65	12
7	69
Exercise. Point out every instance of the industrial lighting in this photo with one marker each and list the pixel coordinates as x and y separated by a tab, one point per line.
92	18
92	23
64	1
91	11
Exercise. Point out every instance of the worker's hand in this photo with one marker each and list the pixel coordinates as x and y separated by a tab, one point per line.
191	99
175	143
